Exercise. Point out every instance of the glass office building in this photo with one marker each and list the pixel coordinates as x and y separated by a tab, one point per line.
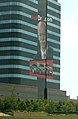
19	44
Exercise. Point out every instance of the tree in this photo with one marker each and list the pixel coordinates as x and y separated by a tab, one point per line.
1	105
51	107
69	106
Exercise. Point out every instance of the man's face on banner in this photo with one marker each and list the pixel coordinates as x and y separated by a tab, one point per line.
42	35
42	41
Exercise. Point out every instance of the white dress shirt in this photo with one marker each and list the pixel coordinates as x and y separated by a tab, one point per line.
43	54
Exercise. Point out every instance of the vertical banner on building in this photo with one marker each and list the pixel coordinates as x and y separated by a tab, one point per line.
42	64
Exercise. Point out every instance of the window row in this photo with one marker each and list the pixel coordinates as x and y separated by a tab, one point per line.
19	31
19	4
18	75
54	2
19	40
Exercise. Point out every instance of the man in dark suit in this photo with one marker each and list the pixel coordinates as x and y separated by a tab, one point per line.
48	55
45	51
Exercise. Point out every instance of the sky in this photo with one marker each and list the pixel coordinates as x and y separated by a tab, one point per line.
69	47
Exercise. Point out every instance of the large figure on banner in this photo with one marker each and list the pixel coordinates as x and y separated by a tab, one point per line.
44	52
42	63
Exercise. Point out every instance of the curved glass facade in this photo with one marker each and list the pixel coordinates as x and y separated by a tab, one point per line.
19	39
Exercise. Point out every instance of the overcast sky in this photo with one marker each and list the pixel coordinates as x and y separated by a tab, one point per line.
69	47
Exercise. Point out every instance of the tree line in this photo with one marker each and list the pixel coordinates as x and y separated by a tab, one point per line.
11	104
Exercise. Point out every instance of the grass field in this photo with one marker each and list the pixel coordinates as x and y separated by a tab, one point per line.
49	117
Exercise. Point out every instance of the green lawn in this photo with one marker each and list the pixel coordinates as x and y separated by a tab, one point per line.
49	117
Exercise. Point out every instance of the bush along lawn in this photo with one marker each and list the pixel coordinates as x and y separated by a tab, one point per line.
14	104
